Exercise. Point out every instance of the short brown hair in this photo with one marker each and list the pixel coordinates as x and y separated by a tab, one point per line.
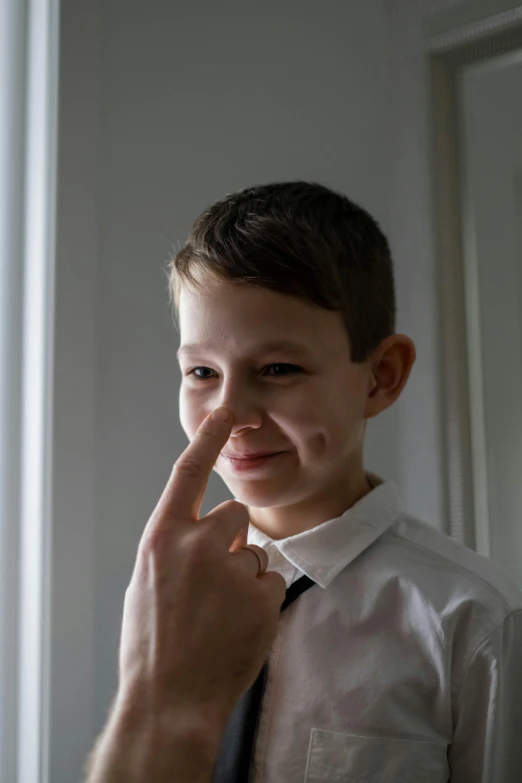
301	239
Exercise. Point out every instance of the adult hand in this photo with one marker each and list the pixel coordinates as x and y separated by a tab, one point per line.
197	622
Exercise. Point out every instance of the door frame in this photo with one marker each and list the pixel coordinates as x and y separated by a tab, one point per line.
464	441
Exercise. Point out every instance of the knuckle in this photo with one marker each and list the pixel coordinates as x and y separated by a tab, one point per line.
150	541
236	507
152	545
189	467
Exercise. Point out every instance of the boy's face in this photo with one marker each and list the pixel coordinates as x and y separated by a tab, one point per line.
312	412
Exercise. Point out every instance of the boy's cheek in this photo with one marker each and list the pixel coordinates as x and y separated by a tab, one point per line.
190	417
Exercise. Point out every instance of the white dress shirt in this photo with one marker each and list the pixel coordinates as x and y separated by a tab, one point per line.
403	664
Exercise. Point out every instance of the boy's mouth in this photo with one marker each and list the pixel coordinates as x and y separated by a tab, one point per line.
248	463
249	454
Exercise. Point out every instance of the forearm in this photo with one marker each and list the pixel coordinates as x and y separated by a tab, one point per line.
135	749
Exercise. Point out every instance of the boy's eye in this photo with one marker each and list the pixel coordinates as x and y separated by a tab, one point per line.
290	369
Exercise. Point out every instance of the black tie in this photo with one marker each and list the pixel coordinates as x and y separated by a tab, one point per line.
233	761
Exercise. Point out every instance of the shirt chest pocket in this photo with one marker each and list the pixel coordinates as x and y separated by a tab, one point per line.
334	757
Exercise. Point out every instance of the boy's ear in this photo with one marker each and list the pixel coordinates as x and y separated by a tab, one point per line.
390	367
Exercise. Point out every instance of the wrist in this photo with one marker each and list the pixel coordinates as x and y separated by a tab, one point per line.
135	708
161	745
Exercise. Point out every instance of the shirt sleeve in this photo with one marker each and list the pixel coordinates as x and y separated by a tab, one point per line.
487	740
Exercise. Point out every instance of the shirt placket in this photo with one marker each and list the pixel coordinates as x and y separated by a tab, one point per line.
257	771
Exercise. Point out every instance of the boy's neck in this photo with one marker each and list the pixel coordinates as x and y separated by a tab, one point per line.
284	521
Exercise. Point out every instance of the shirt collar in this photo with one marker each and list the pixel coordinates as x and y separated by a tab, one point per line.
322	552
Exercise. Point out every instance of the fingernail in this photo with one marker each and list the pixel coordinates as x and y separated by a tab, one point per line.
221	415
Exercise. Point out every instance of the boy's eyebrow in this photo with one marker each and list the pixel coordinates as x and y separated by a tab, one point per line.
274	346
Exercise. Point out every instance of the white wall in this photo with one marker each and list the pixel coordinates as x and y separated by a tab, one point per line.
73	567
164	108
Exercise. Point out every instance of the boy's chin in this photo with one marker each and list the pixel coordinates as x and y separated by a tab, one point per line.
258	496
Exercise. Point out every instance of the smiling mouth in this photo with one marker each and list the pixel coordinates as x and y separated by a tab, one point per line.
250	456
246	463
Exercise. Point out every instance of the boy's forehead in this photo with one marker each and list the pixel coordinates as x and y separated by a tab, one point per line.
211	290
288	347
239	306
255	320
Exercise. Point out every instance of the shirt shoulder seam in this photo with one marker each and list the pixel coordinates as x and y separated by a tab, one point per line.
481	644
482	579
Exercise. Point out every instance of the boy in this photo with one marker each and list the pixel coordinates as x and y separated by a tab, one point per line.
404	660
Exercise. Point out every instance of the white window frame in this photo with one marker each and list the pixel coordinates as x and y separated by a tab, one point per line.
29	45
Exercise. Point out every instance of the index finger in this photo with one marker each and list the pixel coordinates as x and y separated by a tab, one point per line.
183	495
